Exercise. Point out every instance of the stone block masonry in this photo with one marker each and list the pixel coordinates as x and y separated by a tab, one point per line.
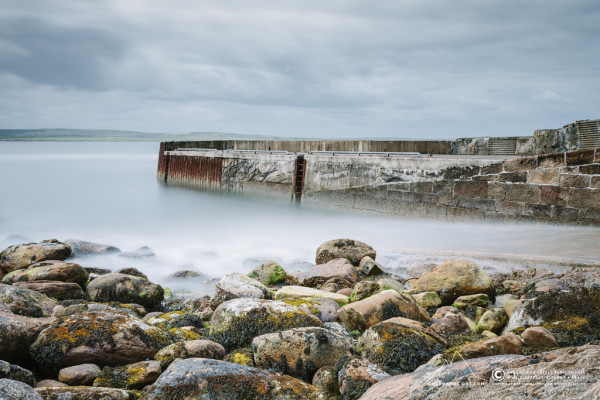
556	188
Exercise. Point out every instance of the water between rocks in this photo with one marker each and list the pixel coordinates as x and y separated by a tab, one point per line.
107	192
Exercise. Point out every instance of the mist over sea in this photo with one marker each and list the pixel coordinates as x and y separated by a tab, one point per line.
107	192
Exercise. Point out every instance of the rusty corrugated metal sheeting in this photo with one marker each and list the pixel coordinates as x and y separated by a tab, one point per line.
195	172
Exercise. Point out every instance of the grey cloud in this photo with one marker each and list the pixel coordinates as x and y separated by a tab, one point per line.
57	55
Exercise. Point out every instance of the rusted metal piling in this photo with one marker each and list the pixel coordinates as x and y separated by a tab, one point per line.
195	172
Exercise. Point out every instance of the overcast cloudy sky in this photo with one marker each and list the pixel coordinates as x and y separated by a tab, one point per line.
326	68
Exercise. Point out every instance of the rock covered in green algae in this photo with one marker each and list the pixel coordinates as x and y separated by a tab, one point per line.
26	302
268	274
102	337
397	347
454	278
384	305
23	255
492	320
51	270
200	378
300	352
352	250
125	288
200	348
176	319
236	322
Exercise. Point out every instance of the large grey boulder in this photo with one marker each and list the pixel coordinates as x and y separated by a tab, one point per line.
339	268
81	247
124	288
300	352
236	322
200	378
51	270
15	390
190	349
26	302
101	337
353	250
236	285
23	255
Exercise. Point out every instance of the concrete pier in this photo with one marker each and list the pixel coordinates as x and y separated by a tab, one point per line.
560	187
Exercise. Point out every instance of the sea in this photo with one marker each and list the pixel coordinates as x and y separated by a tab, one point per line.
107	192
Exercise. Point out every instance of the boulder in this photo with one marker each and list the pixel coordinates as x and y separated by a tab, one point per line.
235	286
236	322
384	305
398	347
268	274
573	317
507	344
81	247
551	375
54	289
493	320
130	376
79	375
455	278
357	375
139	253
14	339
85	393
23	255
16	373
296	292
471	300
49	383
369	267
336	284
451	323
427	299
176	319
26	302
299	352
391	283
189	349
322	308
326	381
240	356
132	309
15	390
124	288
51	270
353	250
101	337
196	378
133	272
538	337
365	289
338	268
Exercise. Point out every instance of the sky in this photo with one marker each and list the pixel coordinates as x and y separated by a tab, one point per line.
304	68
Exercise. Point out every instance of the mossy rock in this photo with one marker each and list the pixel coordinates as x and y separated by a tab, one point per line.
23	255
199	378
101	337
26	302
268	274
125	289
352	250
184	334
131	376
49	271
176	319
236	322
243	356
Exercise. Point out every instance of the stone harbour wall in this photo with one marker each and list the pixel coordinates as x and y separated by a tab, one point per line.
557	188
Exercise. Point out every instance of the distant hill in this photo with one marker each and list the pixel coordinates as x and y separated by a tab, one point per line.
101	135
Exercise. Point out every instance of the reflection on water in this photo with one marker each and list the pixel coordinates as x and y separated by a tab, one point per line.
108	193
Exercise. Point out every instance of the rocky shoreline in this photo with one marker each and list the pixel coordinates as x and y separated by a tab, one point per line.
343	329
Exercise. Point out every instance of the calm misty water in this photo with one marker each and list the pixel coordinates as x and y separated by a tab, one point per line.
108	193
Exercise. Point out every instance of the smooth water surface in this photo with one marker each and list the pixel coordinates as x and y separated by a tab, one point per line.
108	193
